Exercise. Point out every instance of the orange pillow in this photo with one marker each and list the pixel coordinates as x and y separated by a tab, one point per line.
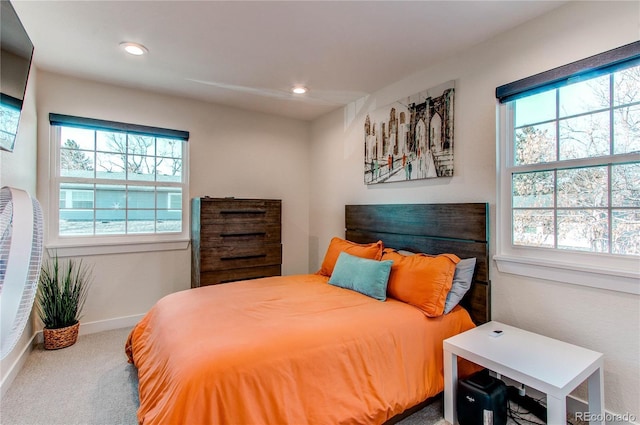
372	251
421	280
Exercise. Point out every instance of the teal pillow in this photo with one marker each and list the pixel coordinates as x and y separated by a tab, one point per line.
369	277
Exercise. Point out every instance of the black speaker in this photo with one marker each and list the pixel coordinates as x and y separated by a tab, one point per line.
482	400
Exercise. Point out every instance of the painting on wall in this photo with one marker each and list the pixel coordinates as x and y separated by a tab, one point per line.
411	139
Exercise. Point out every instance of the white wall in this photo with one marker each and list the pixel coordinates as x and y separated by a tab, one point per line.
602	320
18	169
232	153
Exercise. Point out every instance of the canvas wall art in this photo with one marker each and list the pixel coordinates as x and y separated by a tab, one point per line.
411	139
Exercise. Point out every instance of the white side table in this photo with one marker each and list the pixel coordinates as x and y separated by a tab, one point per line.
553	367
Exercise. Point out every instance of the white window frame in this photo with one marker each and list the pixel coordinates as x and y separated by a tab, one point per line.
599	270
81	245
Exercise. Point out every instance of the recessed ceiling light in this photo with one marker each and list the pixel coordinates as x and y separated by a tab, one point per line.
299	90
134	48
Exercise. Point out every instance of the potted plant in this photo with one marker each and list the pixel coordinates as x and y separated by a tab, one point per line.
62	291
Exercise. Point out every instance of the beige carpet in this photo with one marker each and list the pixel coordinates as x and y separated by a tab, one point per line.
87	383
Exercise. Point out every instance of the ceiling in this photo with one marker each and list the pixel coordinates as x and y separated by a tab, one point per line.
248	54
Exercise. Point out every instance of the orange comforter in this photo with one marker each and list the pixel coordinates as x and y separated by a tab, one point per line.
285	350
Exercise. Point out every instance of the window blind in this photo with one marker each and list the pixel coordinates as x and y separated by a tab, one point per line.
96	124
603	63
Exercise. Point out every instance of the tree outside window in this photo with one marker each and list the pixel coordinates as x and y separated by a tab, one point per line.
575	169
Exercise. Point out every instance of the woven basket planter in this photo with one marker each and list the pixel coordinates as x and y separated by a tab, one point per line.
60	338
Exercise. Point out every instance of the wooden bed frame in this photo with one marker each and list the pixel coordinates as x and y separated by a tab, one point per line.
461	229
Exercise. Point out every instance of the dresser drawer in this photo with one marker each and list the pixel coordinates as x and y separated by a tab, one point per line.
226	212
226	276
233	257
216	234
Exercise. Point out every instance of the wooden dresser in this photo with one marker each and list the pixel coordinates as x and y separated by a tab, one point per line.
234	239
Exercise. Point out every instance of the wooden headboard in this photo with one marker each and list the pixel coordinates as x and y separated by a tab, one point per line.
461	229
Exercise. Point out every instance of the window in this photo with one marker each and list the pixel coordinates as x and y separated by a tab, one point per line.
570	173
76	198
117	183
174	200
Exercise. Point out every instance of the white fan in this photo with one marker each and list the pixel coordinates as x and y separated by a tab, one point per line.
21	229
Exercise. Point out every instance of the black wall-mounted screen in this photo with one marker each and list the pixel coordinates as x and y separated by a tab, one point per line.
15	62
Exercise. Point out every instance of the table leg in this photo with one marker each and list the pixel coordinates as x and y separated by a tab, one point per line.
556	410
596	397
450	387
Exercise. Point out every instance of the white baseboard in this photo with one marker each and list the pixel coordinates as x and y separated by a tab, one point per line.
16	366
575	404
85	329
110	324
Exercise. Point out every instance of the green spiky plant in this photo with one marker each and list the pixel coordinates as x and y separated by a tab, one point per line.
62	292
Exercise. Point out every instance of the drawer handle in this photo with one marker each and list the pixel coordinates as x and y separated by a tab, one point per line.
243	257
233	235
243	211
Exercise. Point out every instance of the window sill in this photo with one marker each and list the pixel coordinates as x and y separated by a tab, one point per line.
596	277
96	248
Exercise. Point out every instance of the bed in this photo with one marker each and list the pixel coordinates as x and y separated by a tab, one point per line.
298	350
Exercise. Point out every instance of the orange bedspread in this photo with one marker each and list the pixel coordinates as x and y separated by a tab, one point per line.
285	350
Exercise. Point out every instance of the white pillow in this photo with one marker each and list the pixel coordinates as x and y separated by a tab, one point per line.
461	283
